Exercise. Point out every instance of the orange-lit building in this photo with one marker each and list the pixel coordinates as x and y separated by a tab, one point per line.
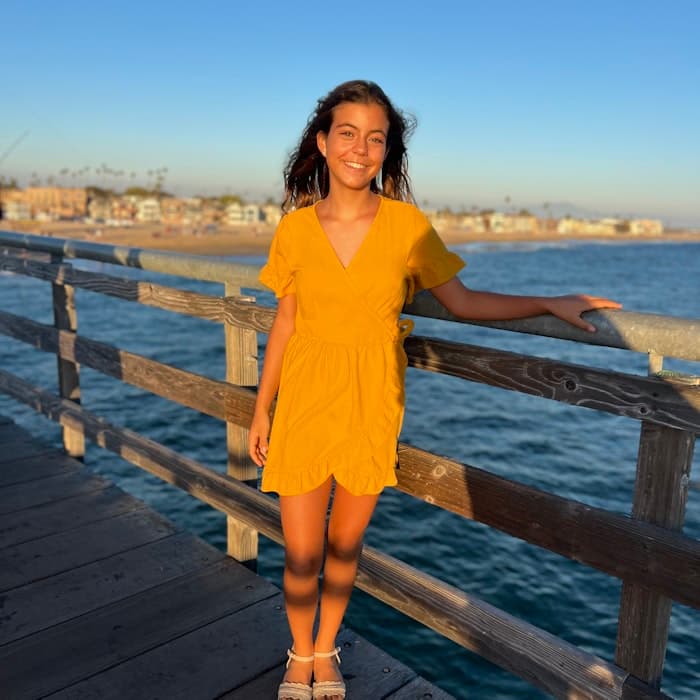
56	202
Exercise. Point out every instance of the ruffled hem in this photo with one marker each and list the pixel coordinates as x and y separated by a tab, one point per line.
360	480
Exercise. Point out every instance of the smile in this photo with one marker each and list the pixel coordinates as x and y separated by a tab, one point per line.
352	164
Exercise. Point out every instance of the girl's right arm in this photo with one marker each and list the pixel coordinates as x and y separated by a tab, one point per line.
281	331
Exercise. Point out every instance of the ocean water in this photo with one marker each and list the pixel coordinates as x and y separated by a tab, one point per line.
573	452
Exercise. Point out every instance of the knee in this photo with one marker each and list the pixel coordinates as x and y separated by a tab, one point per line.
303	563
343	546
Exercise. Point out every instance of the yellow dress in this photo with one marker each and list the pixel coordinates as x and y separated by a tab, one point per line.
340	403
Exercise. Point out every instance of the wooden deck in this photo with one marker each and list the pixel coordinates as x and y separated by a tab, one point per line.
102	597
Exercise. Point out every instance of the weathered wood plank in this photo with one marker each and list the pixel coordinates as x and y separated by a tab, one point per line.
661	493
659	401
40	466
420	689
236	647
368	671
51	601
24	449
215	398
543	660
48	490
40	521
241	311
612	543
36	666
31	561
242	370
66	319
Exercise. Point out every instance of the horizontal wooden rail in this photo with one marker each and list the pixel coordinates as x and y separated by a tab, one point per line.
664	335
615	544
656	400
630	549
546	661
210	396
239	310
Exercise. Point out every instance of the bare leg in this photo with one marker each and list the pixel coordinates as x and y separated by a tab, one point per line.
303	525
350	516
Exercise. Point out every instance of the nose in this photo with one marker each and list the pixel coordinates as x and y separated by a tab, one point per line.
360	146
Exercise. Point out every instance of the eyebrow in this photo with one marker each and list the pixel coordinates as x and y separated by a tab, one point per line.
373	131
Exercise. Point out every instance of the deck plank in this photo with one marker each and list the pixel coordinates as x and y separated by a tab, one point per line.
22	448
57	657
32	561
43	520
48	489
23	470
92	586
200	665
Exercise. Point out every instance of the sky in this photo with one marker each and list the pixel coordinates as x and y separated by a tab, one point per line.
591	106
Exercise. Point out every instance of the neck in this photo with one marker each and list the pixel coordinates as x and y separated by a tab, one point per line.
349	203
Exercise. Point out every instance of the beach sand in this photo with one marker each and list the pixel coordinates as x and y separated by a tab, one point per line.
255	240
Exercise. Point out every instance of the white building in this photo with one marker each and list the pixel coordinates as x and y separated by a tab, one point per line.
148	210
16	210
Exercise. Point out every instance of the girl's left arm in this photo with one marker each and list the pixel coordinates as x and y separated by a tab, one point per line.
490	306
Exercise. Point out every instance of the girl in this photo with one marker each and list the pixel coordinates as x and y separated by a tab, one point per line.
350	251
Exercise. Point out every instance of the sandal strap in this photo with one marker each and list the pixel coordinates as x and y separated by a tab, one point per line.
293	656
329	654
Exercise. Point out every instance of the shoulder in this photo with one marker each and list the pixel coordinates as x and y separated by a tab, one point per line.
298	217
405	212
293	225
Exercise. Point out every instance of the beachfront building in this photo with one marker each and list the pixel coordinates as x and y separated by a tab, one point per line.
124	208
569	226
189	211
15	209
473	223
238	214
496	222
148	210
271	214
646	227
252	214
48	203
100	208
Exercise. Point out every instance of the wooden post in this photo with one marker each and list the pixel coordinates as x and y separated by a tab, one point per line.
66	319
661	491
241	369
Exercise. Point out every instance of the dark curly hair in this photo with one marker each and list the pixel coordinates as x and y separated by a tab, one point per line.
305	176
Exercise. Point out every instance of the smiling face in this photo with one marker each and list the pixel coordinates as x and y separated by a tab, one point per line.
355	145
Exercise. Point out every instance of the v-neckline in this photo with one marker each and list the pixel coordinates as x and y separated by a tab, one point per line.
333	251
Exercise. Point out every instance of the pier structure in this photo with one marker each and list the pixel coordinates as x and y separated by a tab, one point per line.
657	563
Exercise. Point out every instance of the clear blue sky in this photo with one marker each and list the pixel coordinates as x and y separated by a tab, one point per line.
591	103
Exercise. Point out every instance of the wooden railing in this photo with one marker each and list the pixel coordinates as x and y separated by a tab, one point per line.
656	562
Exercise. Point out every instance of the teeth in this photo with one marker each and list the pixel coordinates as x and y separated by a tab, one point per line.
355	165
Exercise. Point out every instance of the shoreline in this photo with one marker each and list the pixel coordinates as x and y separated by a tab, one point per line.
255	240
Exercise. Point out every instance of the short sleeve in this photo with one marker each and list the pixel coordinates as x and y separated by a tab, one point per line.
277	273
430	263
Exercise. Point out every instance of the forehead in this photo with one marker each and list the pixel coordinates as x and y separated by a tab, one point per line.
362	115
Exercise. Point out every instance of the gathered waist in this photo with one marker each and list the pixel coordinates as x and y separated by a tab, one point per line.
394	335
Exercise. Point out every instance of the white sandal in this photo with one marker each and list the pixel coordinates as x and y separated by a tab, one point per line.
323	688
290	690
